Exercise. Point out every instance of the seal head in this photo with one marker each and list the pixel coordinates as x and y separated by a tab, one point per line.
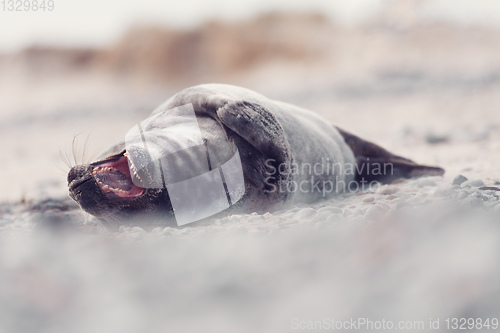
105	189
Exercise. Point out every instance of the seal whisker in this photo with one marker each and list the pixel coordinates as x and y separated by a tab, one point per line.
65	158
74	148
87	161
113	223
79	157
62	170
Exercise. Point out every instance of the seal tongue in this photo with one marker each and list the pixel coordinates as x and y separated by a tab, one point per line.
114	177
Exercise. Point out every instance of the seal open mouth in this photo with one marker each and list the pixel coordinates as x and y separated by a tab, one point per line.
113	177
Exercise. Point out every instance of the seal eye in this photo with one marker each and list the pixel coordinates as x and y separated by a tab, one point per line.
113	177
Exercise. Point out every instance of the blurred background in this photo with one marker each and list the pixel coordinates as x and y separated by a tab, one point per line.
404	73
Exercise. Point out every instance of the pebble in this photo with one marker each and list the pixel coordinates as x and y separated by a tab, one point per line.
234	218
321	215
434	138
473	183
304	213
459	180
425	182
138	230
253	218
331	210
387	189
489	188
347	212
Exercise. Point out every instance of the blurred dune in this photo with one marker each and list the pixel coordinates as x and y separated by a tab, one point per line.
219	50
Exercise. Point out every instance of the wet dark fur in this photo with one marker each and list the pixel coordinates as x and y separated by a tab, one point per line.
114	212
368	154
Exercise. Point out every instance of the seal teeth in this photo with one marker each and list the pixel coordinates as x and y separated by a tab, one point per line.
116	190
105	187
136	175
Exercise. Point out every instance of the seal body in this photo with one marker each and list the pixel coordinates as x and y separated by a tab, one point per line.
286	154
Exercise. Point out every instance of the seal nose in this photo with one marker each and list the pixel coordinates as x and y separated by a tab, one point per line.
76	172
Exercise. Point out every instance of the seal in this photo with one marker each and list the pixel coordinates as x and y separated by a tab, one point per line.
228	149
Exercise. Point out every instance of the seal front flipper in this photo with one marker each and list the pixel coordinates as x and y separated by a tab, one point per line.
374	163
260	128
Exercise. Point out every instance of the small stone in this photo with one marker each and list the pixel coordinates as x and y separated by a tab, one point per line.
425	182
387	190
459	180
304	213
473	183
253	218
434	138
489	188
234	218
331	210
482	197
123	228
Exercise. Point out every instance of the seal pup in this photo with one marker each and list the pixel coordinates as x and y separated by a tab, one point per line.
285	154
